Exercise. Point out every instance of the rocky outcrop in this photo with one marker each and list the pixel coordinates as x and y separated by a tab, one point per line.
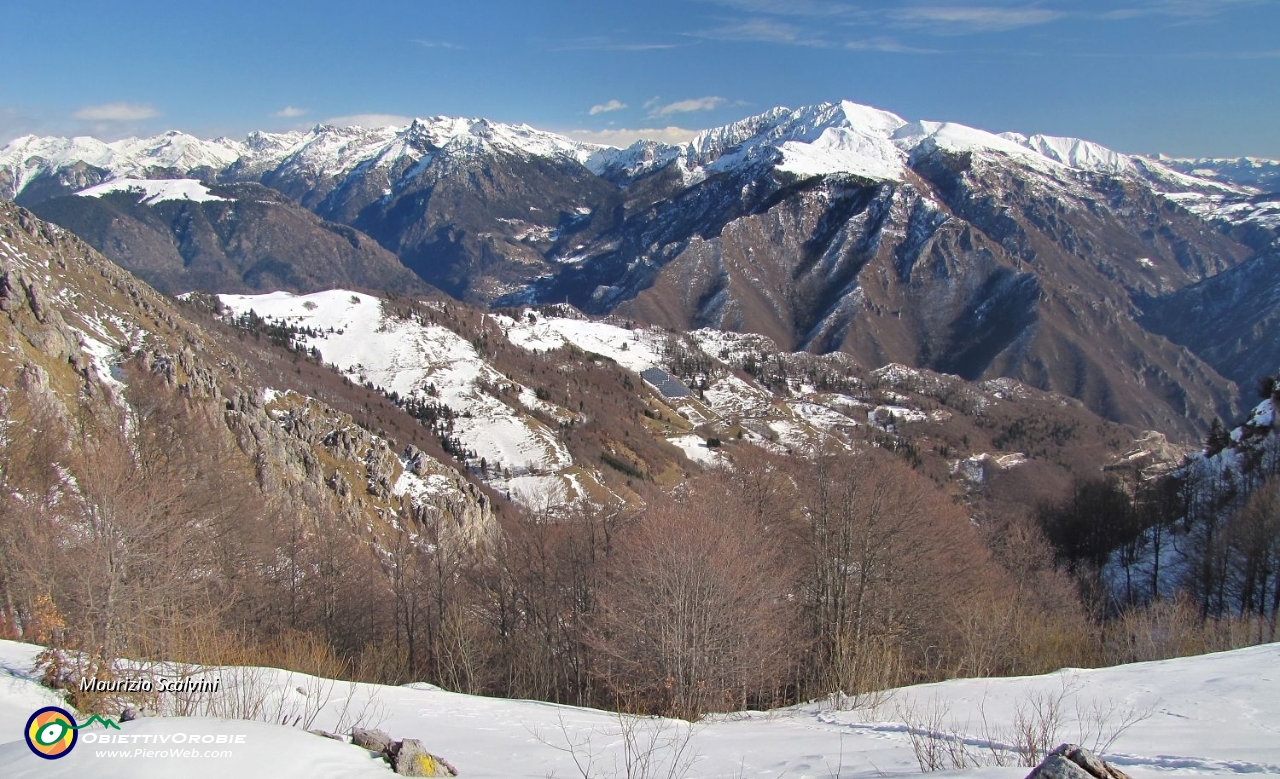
410	758
407	757
1072	761
371	739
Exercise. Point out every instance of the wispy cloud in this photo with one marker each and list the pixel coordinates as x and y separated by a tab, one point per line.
958	20
438	44
1181	10
761	30
116	112
686	106
1192	8
813	8
1231	55
601	43
604	108
888	45
624	137
369	120
291	112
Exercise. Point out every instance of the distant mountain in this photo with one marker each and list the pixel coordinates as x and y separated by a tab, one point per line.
179	235
1255	172
834	227
34	169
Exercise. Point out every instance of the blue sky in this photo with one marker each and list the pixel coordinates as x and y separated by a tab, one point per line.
1183	77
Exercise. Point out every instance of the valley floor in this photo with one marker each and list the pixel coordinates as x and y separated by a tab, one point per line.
1210	715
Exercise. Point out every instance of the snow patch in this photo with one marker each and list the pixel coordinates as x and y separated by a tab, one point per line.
152	191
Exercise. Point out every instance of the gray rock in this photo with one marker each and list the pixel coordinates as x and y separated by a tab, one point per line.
1058	767
372	740
1072	761
410	758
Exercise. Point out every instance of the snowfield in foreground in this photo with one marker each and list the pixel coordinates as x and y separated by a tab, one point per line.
1211	715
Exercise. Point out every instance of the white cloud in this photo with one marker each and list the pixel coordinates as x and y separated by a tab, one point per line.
602	43
291	112
967	19
763	31
369	120
887	45
604	108
689	106
116	112
810	8
623	137
439	45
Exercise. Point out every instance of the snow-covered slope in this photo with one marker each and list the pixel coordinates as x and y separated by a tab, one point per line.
426	362
1214	715
1075	153
1261	211
433	364
152	191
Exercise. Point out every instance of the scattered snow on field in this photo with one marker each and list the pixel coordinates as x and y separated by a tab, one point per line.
820	416
697	450
152	191
792	436
635	350
541	493
886	416
733	396
422	487
103	358
730	346
1234	207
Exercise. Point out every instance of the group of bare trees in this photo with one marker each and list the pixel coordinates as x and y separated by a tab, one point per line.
127	527
782	579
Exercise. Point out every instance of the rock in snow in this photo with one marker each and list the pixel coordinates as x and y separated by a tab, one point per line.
1072	761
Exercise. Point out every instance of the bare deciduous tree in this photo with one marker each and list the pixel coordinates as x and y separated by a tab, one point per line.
694	617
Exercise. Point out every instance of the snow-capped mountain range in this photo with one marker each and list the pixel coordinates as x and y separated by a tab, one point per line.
832	227
842	137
